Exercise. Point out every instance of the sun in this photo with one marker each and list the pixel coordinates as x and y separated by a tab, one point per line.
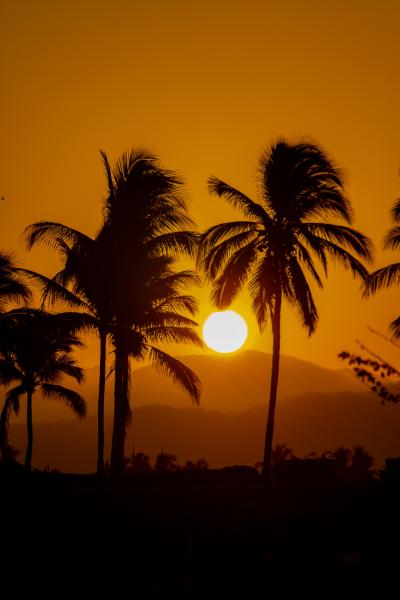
225	331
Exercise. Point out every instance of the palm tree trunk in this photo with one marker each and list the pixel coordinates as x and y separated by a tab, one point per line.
120	390
276	344
100	405
29	424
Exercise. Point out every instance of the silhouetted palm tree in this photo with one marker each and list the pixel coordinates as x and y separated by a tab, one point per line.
139	463
166	462
35	352
83	284
361	463
342	457
9	454
280	453
125	282
277	242
13	288
389	275
145	221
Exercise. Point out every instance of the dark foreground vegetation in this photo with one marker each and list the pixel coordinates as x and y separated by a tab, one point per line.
199	531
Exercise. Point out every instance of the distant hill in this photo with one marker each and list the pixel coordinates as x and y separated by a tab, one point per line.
240	381
234	382
308	422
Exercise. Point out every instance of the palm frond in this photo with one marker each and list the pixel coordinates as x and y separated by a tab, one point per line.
345	259
70	324
107	168
62	364
263	288
165	318
239	200
52	291
382	278
230	282
9	372
11	404
13	286
300	296
52	234
391	241
180	280
173	334
395	328
313	242
345	236
71	398
217	233
323	201
179	372
395	212
306	258
216	257
185	242
177	303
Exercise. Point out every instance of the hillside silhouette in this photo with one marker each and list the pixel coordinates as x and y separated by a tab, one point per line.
309	422
239	381
225	382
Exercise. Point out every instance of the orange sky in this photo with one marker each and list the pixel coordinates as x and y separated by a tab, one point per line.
205	85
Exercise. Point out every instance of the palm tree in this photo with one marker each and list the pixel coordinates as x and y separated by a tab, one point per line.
81	284
389	275
361	463
274	245
160	318
165	463
139	463
13	288
9	454
125	283
280	454
35	352
145	222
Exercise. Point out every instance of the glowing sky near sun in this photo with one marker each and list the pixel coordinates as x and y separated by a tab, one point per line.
205	85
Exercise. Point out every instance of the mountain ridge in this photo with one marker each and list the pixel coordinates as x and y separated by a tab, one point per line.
311	422
234	382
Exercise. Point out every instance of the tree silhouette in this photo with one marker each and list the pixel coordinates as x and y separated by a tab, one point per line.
35	352
166	462
139	463
125	282
375	372
277	242
9	454
361	463
145	222
82	284
280	453
13	287
199	465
